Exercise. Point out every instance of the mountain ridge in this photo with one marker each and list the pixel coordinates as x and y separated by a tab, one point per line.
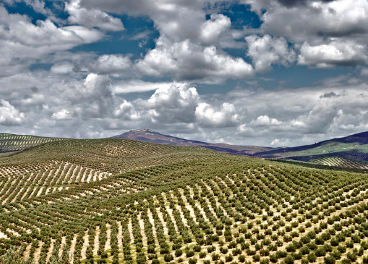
351	147
148	135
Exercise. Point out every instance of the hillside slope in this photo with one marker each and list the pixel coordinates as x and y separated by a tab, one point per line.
123	201
13	143
353	149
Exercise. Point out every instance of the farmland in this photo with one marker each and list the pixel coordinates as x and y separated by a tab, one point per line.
13	143
124	201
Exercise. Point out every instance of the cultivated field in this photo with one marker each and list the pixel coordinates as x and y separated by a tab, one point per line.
122	201
12	143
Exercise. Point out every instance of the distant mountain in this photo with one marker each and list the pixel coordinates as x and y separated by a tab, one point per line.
155	137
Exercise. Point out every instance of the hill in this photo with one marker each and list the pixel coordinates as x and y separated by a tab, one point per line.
344	144
13	143
124	201
353	150
147	135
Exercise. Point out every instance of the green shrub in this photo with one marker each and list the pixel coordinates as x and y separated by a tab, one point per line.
289	260
320	252
189	253
311	257
305	261
215	256
241	258
330	260
346	261
178	252
168	257
256	257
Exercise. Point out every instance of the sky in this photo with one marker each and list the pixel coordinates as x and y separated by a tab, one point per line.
246	72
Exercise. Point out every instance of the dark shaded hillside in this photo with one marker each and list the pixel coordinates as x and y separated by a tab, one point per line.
360	138
347	147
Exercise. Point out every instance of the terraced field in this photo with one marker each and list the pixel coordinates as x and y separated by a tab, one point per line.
122	201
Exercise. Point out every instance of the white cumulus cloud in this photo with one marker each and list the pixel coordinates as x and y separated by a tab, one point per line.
9	116
334	53
212	29
208	116
266	51
265	121
92	18
189	61
63	114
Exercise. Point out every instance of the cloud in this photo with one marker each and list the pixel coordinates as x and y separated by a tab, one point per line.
34	89
92	18
318	120
63	114
171	105
91	98
170	17
23	43
333	53
329	95
317	19
141	35
265	121
133	86
212	29
82	93
9	116
63	67
126	111
89	107
267	50
245	131
189	46
19	31
208	116
280	142
328	33
111	64
189	61
39	7
364	72
292	3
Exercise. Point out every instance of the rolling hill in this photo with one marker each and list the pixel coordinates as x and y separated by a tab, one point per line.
14	143
125	201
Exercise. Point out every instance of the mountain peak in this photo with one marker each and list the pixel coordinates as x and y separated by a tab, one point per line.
144	130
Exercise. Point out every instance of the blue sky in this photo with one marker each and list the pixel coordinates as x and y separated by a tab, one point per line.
252	72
